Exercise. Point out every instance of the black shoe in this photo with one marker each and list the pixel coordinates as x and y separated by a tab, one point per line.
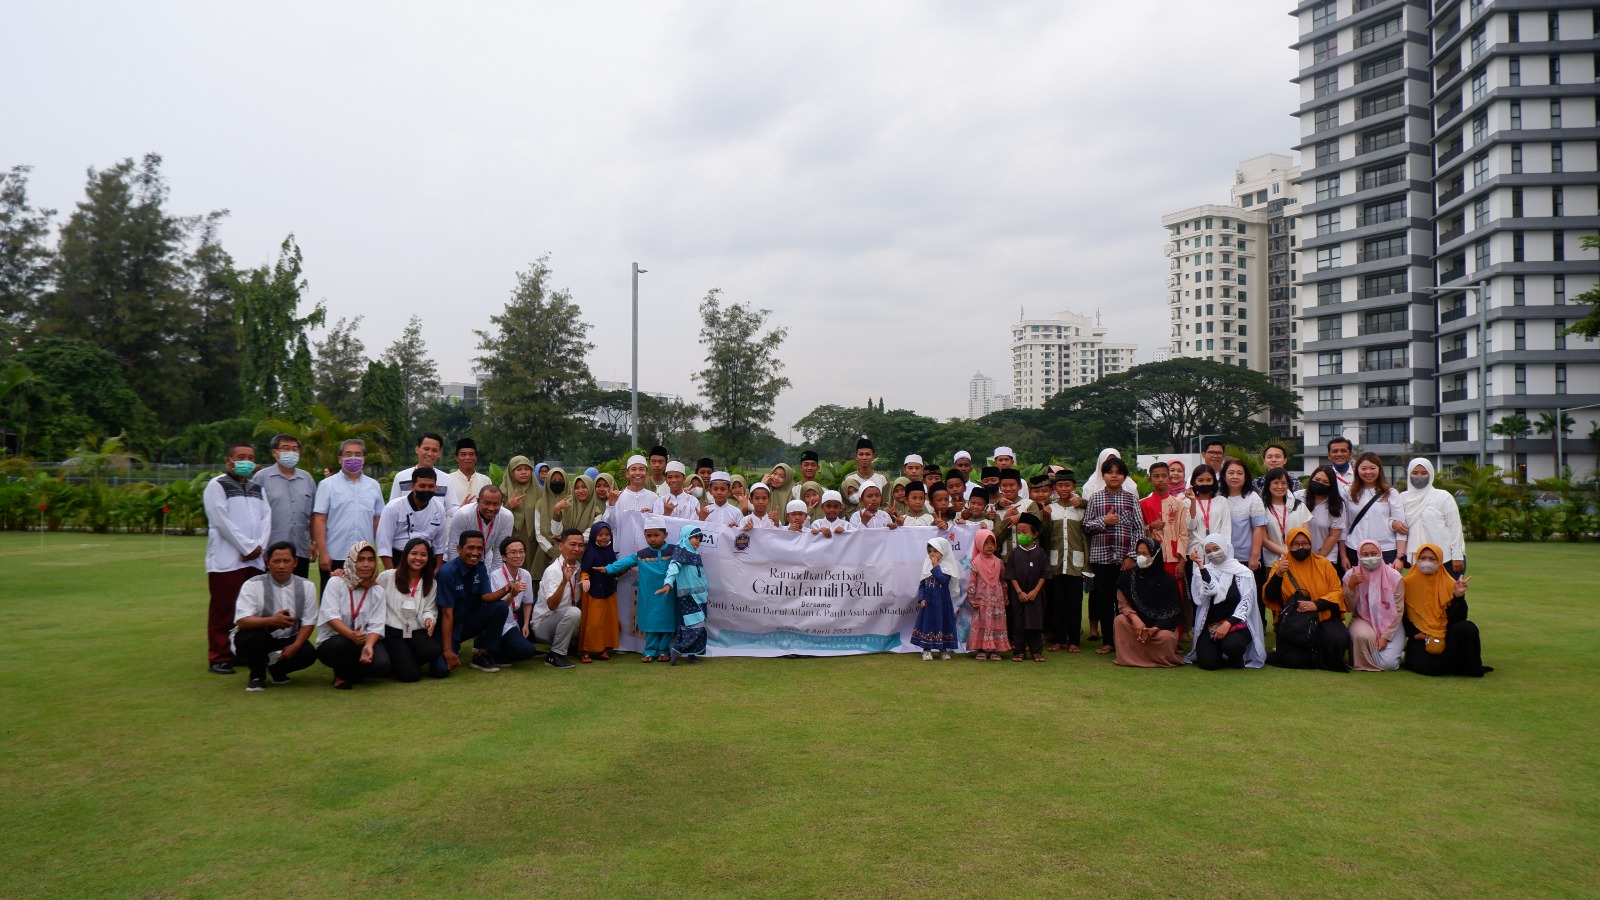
483	662
221	669
278	680
256	684
503	663
557	661
344	685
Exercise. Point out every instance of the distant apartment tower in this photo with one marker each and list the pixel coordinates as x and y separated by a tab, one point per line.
1267	183
1216	268
1451	146
980	396
1365	229
1515	100
1065	350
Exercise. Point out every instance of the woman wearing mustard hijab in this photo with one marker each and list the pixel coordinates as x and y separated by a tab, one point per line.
1316	582
1439	639
522	495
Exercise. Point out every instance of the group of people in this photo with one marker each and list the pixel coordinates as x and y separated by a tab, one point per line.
451	557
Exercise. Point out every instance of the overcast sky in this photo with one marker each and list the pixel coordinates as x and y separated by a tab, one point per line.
880	175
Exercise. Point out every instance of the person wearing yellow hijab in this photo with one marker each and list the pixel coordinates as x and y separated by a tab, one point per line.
1311	583
1439	638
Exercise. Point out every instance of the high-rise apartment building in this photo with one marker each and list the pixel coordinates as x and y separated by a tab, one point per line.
1218	265
980	396
1062	351
1450	144
1268	183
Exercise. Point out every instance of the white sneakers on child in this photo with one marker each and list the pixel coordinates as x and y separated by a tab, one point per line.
927	654
945	655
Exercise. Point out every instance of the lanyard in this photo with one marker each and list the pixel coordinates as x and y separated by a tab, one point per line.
1343	480
572	583
488	530
1283	520
1205	510
355	608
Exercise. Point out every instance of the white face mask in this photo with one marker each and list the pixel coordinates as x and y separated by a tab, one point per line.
1217	557
1427	568
1143	561
698	492
1371	562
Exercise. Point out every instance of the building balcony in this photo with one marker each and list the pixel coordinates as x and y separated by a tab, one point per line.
1446	237
1449	275
1450	315
1366	256
1450	356
1379	179
1376	367
1451	152
1449	112
1454	437
1363	221
1448	73
1453	396
1384	402
1452	192
1445	36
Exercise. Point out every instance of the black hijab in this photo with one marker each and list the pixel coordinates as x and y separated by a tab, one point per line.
1151	591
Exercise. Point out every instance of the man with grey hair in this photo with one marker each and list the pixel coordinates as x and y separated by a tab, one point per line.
489	516
291	492
347	509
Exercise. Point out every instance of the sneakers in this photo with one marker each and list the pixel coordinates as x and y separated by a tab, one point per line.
927	655
557	661
483	662
945	655
221	669
277	679
256	685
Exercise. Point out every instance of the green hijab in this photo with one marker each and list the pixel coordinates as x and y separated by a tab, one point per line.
548	499
581	513
522	516
813	512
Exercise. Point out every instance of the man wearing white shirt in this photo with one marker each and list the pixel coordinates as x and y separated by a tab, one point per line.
962	462
679	503
489	517
275	614
657	464
239	528
1339	451
418	514
719	511
555	616
429	448
637	495
467	481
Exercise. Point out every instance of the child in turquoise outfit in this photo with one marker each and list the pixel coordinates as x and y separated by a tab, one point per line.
687	574
657	615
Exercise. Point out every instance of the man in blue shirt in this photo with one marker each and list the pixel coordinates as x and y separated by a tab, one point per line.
346	510
463	612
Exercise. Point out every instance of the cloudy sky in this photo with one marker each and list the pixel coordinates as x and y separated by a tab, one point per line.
882	176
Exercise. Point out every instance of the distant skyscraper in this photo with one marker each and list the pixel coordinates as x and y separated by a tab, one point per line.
1062	351
980	396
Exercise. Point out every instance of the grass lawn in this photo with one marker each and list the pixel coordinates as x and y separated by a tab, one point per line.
127	770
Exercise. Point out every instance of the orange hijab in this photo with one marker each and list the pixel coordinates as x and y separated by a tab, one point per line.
1427	596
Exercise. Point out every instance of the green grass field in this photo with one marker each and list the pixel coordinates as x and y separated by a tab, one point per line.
127	770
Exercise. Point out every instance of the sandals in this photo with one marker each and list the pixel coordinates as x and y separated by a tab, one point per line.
1106	649
585	659
648	659
1074	648
1017	657
1057	648
1038	657
604	655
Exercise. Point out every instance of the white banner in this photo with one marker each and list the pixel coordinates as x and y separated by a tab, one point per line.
779	593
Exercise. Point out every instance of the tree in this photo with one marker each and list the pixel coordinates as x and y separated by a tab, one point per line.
1512	428
741	380
534	362
275	366
214	338
79	390
419	376
97	458
339	362
1589	325
1179	400
24	257
119	283
383	403
322	434
1547	425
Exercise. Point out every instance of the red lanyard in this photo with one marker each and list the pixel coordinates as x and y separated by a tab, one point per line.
355	610
487	530
572	582
1205	510
1283	520
1343	480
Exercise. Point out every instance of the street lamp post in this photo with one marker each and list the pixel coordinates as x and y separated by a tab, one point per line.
1559	414
1481	291
633	418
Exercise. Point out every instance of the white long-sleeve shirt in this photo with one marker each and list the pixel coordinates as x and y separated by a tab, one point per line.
1375	525
410	609
1433	518
494	531
238	521
684	505
726	514
444	489
551	582
645	501
400	523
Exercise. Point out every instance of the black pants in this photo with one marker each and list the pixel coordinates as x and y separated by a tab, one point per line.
1103	602
1211	654
302	566
334	565
408	656
1333	646
1463	653
254	644
1063	611
343	656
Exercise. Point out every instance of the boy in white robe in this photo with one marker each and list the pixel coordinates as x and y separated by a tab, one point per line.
917	511
678	502
637	495
831	523
869	515
719	511
760	516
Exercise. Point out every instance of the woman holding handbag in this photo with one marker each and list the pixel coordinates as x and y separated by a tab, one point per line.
1306	588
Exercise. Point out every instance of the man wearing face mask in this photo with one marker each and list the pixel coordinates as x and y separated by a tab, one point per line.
417	514
347	509
239	528
291	493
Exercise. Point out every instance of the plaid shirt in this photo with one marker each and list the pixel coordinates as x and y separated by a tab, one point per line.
1110	544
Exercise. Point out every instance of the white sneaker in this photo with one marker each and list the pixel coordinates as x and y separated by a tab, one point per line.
927	654
945	655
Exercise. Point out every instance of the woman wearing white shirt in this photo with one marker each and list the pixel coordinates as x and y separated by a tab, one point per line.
512	583
1432	516
1375	513
1326	506
1285	512
1208	514
410	613
1247	516
351	623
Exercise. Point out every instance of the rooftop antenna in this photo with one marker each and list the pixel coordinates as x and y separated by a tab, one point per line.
1097	318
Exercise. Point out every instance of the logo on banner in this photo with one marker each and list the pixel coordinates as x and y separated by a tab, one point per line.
742	542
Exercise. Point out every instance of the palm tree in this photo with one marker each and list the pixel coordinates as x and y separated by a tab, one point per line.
1547	425
1512	427
320	438
1481	491
96	458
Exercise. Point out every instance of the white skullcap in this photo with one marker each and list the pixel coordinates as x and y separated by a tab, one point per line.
960	455
653	522
637	460
761	486
832	495
796	506
676	466
1004	451
721	476
913	458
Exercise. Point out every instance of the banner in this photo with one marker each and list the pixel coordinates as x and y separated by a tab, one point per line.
779	593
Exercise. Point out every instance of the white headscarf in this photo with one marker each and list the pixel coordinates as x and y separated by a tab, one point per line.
1096	484
947	561
1231	567
1415	497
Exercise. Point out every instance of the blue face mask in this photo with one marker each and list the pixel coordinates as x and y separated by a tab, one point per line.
244	467
288	459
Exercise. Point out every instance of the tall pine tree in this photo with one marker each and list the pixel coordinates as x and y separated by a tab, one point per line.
275	364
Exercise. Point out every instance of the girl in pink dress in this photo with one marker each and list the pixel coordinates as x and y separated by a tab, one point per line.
987	593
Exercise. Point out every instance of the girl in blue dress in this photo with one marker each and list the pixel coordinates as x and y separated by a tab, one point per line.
935	631
686	575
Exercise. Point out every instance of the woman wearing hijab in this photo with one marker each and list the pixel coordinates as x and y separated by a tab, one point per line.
1432	516
600	629
1228	630
811	492
686	579
522	495
1304	573
1439	638
1176	478
1149	609
553	491
1096	483
580	510
781	481
935	631
1375	595
350	627
986	591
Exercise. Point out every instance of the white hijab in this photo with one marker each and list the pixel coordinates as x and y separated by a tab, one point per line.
1232	567
947	561
1096	484
1416	497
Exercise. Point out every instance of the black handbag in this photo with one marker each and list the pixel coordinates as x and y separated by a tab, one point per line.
1296	628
